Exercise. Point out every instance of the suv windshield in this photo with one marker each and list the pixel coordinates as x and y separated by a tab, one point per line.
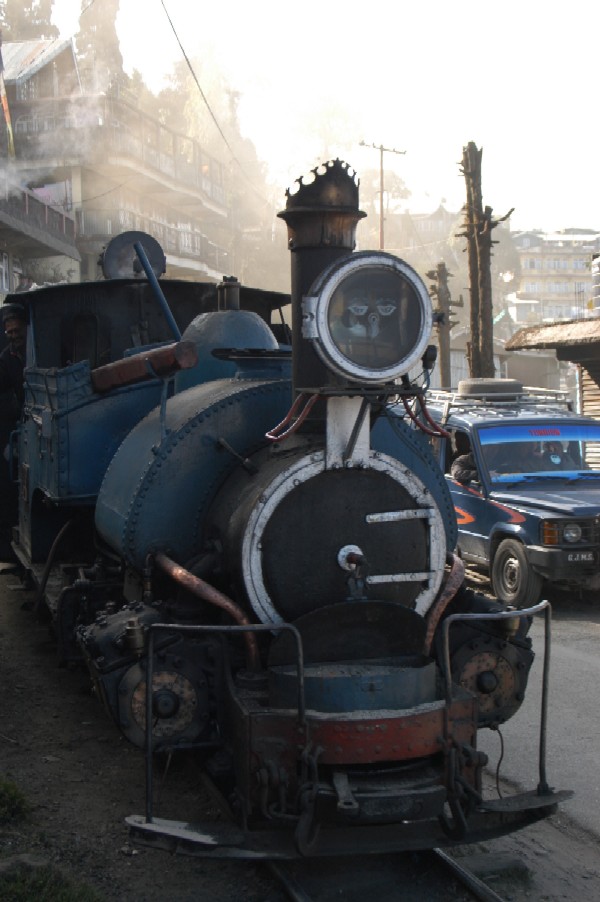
524	451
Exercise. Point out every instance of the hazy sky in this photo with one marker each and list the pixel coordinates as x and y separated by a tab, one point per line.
517	77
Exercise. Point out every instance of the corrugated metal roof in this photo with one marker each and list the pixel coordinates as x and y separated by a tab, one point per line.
575	332
22	59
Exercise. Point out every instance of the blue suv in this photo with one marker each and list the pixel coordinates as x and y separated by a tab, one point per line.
524	475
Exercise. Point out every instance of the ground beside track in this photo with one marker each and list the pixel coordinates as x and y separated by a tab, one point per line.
82	779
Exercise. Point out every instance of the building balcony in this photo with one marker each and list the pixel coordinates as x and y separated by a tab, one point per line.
113	137
32	228
189	252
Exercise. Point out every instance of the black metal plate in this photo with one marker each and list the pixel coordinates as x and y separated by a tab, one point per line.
354	630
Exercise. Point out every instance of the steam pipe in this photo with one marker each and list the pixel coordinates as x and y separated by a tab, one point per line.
208	593
451	587
141	253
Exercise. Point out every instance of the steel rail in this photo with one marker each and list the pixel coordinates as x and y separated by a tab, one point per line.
476	886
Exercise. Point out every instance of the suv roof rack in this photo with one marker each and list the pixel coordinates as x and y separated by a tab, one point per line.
498	393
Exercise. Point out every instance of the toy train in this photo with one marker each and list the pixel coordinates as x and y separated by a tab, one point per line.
239	516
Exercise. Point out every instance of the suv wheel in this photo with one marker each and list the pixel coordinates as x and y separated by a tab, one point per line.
513	580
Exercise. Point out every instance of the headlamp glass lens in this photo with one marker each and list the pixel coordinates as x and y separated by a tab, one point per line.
375	318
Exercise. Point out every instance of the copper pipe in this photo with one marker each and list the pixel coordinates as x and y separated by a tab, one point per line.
451	587
159	362
208	593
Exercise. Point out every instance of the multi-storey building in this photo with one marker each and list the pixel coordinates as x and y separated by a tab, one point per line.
555	281
112	166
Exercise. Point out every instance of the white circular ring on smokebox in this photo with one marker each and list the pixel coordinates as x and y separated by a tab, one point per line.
301	471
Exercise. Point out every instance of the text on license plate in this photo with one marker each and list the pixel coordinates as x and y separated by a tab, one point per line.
581	556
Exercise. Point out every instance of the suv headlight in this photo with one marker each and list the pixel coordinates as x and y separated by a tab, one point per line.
555	532
572	532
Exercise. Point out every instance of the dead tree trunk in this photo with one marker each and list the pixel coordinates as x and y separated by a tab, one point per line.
486	315
471	168
479	226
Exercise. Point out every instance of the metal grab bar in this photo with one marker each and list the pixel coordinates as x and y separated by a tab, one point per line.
202	628
543	788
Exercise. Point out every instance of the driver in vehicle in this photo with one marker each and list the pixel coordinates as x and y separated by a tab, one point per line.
556	458
516	457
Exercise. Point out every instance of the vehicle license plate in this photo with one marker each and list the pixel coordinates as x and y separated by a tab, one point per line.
581	556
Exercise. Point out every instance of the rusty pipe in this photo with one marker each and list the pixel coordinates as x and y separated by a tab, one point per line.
451	587
208	593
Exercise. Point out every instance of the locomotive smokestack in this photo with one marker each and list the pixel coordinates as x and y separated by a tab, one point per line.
321	218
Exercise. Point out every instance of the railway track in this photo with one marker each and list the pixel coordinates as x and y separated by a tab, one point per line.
478	889
433	875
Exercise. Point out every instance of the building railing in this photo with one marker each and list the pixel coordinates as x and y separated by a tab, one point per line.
22	206
87	128
175	240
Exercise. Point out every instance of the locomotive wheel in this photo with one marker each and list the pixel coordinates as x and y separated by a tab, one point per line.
513	580
174	704
493	671
180	703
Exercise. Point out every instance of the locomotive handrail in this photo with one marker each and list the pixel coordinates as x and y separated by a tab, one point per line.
543	788
151	275
210	628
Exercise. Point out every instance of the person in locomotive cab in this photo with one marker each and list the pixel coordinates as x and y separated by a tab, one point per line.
12	364
26	283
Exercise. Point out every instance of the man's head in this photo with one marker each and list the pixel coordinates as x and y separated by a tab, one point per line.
14	320
462	442
25	282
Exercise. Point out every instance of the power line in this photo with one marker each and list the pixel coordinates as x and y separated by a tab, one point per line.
198	85
234	158
212	115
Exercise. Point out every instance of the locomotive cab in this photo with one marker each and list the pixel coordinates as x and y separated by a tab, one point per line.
100	357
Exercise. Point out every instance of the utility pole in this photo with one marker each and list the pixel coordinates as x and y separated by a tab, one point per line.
442	318
381	150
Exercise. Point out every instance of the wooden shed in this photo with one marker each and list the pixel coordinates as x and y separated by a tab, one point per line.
576	341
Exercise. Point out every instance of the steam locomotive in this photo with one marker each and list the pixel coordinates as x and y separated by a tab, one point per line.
250	520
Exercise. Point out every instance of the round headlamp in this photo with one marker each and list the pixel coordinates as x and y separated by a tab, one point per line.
572	532
369	317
